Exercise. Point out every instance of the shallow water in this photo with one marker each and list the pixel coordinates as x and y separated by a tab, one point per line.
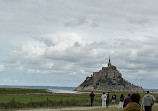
62	91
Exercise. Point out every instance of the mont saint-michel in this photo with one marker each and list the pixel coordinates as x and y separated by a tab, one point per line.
107	79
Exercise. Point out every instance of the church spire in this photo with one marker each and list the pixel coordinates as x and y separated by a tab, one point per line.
109	63
109	59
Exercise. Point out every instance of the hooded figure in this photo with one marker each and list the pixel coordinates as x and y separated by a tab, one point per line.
134	105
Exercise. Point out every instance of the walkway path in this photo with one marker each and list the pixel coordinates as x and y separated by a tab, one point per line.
63	109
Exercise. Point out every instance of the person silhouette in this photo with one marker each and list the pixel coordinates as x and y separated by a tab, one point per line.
127	100
104	97
148	101
113	98
92	97
121	101
108	100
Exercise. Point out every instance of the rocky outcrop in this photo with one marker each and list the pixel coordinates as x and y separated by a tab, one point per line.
107	79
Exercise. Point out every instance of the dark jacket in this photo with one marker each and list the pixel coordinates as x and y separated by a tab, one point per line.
127	100
92	95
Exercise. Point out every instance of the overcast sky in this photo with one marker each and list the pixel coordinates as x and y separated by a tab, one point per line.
61	42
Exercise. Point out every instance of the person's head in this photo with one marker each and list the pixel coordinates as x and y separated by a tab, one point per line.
122	96
129	95
135	97
103	92
147	92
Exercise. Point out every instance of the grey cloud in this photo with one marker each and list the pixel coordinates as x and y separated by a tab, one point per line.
77	22
47	41
77	44
138	21
76	58
81	21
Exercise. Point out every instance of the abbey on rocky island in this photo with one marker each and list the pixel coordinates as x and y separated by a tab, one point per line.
107	79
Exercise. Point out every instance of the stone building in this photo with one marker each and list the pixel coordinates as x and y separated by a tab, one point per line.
107	79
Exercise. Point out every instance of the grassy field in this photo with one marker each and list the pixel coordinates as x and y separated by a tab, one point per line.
21	98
